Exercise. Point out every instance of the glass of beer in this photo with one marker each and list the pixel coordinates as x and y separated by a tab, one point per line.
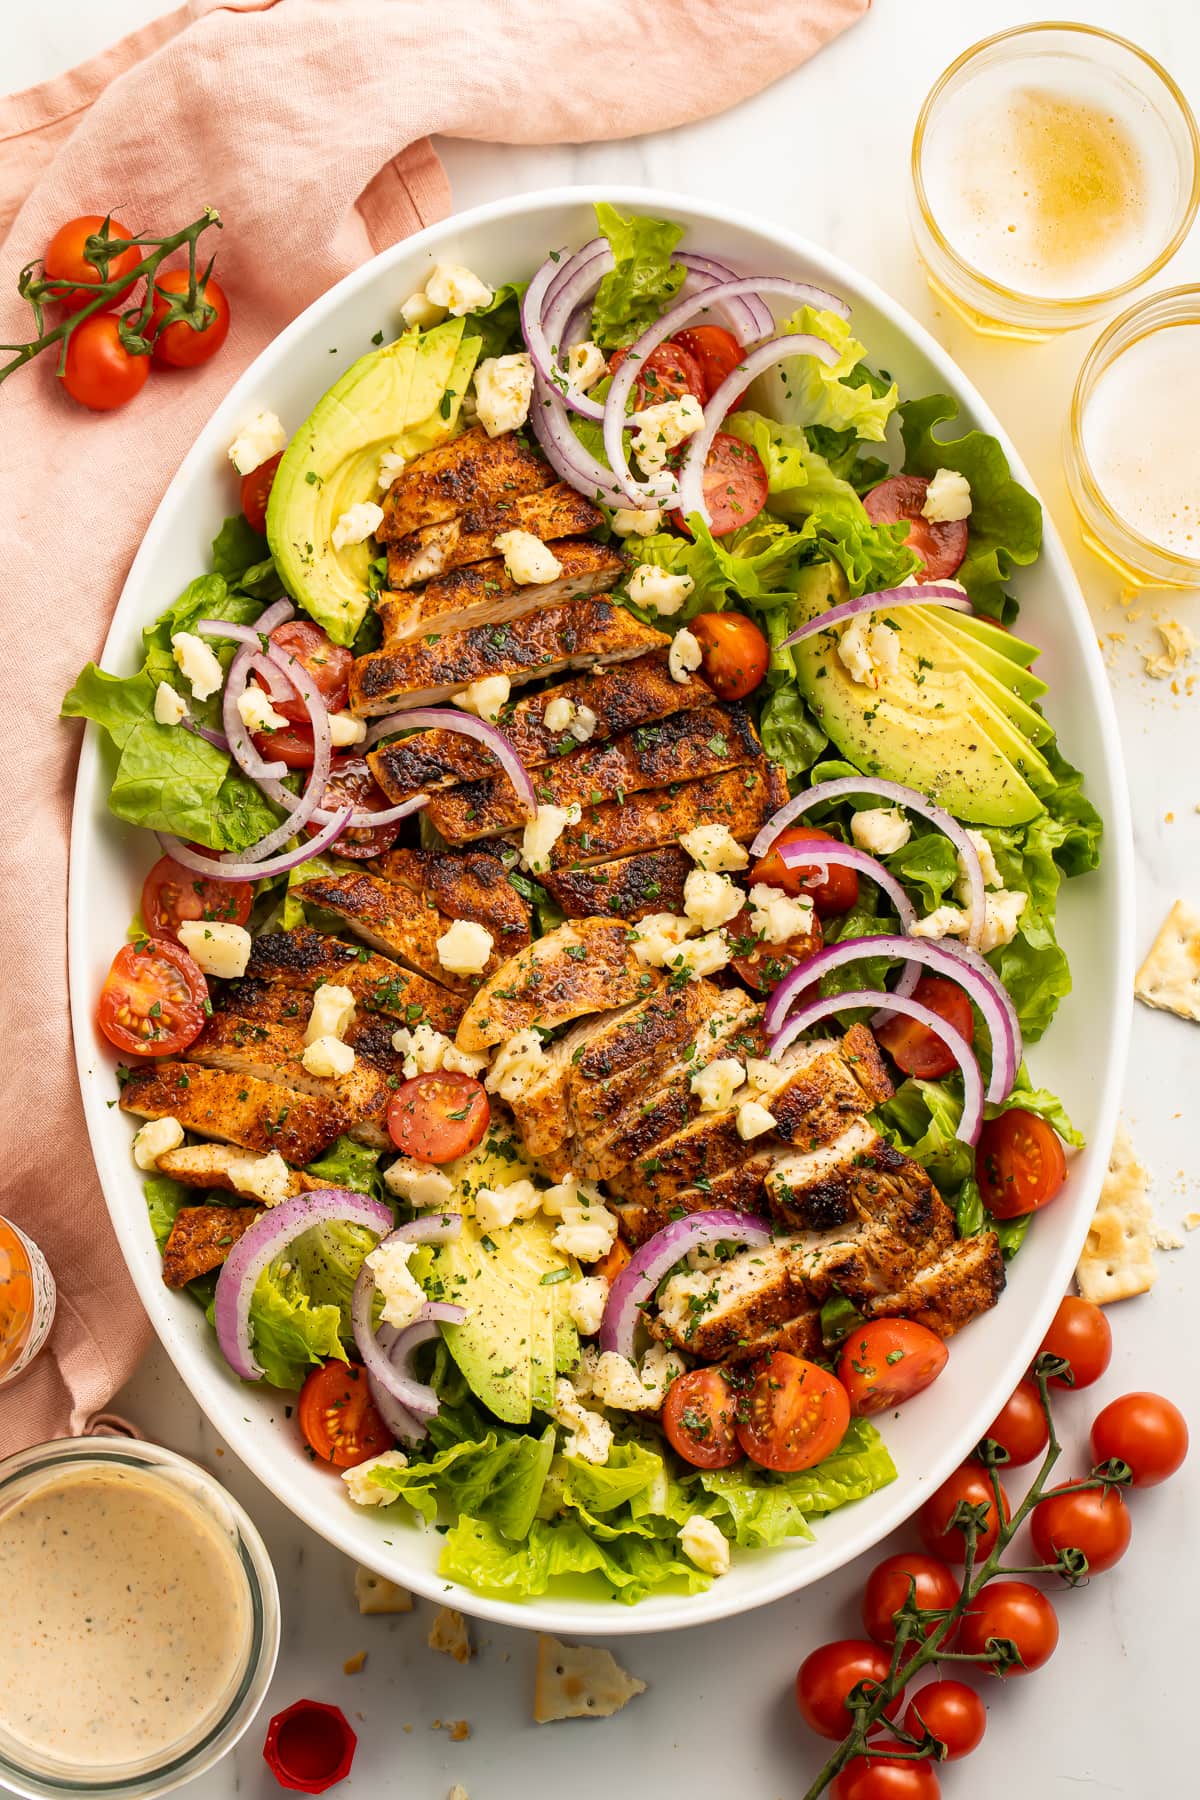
1055	169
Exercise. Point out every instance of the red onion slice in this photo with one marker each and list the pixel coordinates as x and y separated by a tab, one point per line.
799	293
241	745
886	600
981	984
748	318
267	1238
727	396
798	1022
647	1266
217	739
533	307
222	868
817	856
571	461
452	718
898	795
400	1422
381	1356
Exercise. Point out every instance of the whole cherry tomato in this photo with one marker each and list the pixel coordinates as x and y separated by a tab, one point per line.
932	1583
951	1712
1017	1612
1144	1430
828	1674
970	1485
99	372
1094	1520
180	345
1082	1336
66	260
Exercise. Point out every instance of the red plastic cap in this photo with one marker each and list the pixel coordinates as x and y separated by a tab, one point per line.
310	1746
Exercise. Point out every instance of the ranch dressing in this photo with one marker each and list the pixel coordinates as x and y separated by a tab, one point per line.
127	1619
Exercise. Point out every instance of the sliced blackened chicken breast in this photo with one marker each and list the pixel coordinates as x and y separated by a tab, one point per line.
486	594
629	888
300	960
471	470
201	1238
237	1109
216	1166
743	799
964	1281
274	1053
582	967
711	1313
470	884
552	512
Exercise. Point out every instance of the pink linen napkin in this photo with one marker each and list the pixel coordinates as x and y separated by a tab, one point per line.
307	124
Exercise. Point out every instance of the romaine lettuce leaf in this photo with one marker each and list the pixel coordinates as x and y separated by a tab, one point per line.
349	1165
643	280
498	324
475	1553
799	481
290	1333
498	1480
806	391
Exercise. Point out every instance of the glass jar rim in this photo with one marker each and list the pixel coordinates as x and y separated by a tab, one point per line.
1082	303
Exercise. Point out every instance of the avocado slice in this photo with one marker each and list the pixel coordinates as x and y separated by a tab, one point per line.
995	637
518	1333
404	397
921	635
930	728
1014	677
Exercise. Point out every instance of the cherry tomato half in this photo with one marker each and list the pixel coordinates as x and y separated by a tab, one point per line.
65	261
99	372
171	893
1094	1520
836	894
1082	1336
1019	1163
350	780
668	373
825	1677
951	1712
327	665
913	1047
968	1483
735	486
793	1413
735	653
715	350
338	1417
1016	1611
1144	1430
1020	1426
941	547
256	491
761	965
154	1000
887	1362
179	345
438	1117
293	747
932	1582
876	1775
698	1416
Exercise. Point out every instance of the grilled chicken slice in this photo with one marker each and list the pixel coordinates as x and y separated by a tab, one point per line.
391	919
711	1313
217	1166
472	470
466	885
582	967
541	1111
626	889
237	1109
486	594
200	1239
620	698
800	1336
702	741
554	512
949	1292
300	960
903	1223
742	799
273	1053
739	1188
574	635
827	1086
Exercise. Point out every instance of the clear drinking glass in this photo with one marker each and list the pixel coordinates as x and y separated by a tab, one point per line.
1055	168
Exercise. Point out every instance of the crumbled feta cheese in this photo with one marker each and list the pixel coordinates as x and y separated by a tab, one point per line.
776	917
497	1207
657	938
588	1229
753	1119
517	1066
658	588
327	1057
464	947
717	1082
503	390
458	289
257	713
590	1436
987	863
419	1183
714	847
679	1302
356	524
636	521
585	366
197	662
702	956
1001	916
661	1365
527	559
616	1382
422	1049
170	707
711	900
880	829
392	465
420	310
947	498
361	1484
332	1012
586	1300
762	1074
398	1288
345	729
583	725
661	429
462	1062
218	947
154	1139
543	832
685	655
706	1546
943	921
266	1178
485	698
869	649
256	442
565	715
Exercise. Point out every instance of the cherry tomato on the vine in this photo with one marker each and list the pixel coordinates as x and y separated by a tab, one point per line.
1015	1611
828	1674
1094	1520
970	1485
932	1583
1144	1430
65	260
99	372
1020	1426
951	1712
878	1775
1082	1336
179	345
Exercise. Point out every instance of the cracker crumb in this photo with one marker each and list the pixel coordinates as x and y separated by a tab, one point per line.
579	1682
1178	644
460	1731
450	1635
353	1665
1191	1221
376	1594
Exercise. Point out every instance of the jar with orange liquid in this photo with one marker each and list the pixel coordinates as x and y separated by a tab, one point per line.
27	1297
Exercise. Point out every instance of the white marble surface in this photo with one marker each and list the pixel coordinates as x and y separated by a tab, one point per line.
825	150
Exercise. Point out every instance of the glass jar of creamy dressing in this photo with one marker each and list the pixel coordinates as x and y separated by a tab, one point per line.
140	1620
